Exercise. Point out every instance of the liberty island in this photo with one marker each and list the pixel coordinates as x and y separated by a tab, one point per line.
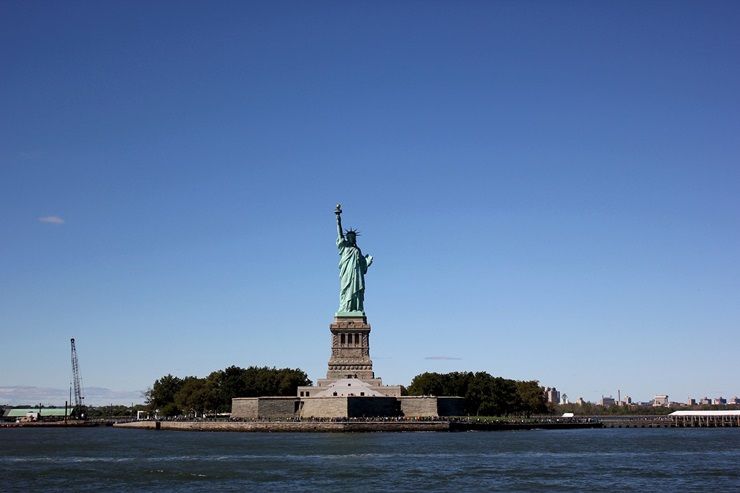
350	389
352	398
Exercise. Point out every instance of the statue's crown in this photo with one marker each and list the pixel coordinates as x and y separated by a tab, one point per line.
352	231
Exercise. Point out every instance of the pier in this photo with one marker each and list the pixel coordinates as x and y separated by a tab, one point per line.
705	419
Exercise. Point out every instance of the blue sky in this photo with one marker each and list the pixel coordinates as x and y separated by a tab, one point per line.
551	190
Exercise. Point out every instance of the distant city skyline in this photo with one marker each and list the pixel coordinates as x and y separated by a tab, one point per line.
46	396
550	190
97	396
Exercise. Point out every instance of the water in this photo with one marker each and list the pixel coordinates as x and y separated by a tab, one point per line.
99	459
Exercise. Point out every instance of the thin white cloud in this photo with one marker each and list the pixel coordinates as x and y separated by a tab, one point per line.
445	358
51	220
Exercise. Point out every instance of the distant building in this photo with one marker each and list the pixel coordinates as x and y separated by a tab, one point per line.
719	401
735	400
580	401
564	399
705	418
35	413
692	402
627	401
661	401
705	401
607	401
552	395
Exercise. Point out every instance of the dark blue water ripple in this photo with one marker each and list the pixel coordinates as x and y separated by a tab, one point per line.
563	460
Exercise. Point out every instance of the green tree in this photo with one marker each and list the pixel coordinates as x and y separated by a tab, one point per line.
192	398
484	394
532	397
289	381
427	384
479	394
163	393
173	395
224	385
457	383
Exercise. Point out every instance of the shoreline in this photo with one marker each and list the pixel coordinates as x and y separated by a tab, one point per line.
380	425
288	426
346	426
55	424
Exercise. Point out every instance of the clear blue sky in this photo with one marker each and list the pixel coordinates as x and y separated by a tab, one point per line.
551	190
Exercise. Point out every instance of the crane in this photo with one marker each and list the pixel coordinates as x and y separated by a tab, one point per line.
77	381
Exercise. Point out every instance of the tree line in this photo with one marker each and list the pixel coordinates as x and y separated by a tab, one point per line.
485	395
173	396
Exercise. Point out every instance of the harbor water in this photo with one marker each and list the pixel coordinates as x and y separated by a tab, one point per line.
96	459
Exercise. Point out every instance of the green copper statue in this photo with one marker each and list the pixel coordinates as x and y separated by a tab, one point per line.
352	268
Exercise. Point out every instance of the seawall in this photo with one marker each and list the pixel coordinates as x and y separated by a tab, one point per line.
347	426
289	426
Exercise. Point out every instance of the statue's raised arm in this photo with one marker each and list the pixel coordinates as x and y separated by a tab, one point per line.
338	212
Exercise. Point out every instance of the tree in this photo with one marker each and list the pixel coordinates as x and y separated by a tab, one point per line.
193	395
484	394
192	398
163	393
532	397
224	385
427	384
504	398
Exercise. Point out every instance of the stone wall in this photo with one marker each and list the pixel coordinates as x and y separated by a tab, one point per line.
451	406
245	407
288	426
263	407
360	407
343	407
324	407
418	406
278	407
353	407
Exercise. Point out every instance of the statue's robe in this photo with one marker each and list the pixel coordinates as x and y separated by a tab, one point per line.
352	269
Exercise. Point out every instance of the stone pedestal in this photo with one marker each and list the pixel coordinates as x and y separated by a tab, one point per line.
350	372
350	349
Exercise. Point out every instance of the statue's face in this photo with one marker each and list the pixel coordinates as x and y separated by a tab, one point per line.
351	238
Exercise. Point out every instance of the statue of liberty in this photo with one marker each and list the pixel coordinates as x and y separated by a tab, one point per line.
352	269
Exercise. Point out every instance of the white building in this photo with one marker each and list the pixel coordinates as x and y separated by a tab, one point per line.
661	401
